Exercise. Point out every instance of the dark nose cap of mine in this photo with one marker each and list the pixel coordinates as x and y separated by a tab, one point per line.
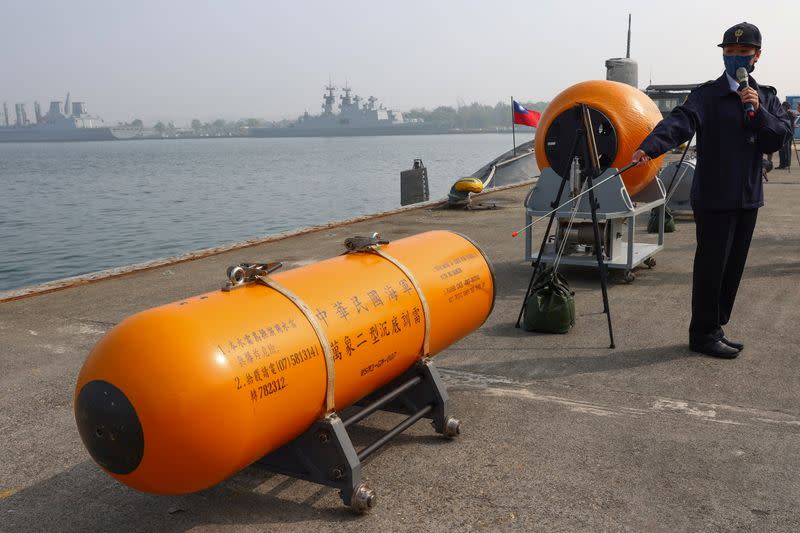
109	427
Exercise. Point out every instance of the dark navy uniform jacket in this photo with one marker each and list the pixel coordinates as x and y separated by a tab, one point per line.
729	146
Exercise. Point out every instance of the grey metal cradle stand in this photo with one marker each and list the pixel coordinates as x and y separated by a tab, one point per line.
324	454
616	213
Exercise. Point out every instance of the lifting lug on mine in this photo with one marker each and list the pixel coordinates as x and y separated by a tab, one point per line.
243	273
360	243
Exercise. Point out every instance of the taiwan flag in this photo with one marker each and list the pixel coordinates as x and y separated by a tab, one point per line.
526	117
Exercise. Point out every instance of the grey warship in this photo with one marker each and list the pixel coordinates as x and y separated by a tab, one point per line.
353	119
61	123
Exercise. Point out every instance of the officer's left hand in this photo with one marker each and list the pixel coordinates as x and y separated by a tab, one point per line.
748	94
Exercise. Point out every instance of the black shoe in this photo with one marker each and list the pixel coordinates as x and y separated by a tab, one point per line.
715	349
738	345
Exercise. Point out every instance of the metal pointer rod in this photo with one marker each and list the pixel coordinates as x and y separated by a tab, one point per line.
623	169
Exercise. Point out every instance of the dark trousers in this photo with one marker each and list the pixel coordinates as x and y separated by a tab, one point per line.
785	154
723	239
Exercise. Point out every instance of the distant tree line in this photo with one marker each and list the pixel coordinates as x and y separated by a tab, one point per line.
472	116
226	125
136	123
216	128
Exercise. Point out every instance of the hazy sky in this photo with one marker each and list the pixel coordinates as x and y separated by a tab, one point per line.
176	60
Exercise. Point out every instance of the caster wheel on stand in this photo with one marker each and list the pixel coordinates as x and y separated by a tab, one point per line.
364	499
628	276
452	427
650	262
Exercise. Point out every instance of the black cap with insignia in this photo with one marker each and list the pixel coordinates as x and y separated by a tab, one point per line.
742	33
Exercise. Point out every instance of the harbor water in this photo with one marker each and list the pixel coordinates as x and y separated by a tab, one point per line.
72	208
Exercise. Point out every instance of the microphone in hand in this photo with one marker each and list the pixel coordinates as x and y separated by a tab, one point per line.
744	82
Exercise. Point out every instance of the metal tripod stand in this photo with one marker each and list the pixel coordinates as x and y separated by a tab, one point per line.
585	134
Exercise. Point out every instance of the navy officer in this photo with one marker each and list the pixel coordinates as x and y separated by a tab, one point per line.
727	188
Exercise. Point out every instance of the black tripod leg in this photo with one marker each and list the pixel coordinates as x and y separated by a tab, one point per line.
601	265
549	227
539	256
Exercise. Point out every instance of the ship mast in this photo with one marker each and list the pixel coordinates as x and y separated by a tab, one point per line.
347	102
328	99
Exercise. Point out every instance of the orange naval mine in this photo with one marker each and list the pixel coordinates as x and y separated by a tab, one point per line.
631	113
178	398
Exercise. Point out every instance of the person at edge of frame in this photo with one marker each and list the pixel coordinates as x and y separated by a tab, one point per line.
786	150
727	189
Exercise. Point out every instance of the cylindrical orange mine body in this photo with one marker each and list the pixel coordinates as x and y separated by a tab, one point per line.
632	113
179	397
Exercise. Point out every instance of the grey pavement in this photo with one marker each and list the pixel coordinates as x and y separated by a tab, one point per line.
560	433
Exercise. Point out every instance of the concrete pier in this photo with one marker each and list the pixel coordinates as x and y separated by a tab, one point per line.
559	432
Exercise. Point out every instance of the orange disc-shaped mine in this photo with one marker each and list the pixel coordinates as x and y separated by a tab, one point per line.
632	114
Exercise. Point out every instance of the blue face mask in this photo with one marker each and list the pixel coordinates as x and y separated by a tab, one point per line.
733	63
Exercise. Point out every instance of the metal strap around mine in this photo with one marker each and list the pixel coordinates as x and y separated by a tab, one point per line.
321	336
426	342
371	245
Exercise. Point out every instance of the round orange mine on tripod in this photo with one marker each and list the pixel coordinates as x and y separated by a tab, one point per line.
632	113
